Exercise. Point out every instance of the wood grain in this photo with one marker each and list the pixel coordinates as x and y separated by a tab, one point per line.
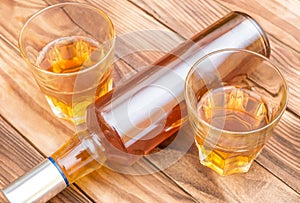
17	156
288	62
258	185
14	16
184	17
283	149
279	18
111	186
185	178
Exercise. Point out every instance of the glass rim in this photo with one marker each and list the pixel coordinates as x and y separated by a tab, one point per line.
194	68
36	14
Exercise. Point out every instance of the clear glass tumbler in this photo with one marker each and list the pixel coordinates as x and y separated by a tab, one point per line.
69	48
235	98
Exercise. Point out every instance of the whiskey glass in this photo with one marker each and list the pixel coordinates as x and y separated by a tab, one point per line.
69	48
234	99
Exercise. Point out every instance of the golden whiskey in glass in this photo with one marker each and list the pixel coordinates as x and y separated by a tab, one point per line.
70	48
235	98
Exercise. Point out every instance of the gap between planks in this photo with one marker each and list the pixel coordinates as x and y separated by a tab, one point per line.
269	171
156	19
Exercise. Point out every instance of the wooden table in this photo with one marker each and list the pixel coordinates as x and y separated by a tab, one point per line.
29	132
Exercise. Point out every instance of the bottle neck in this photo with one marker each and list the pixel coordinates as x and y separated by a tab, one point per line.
38	185
80	156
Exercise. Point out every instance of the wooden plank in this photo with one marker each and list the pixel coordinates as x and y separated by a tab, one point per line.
184	17
14	16
17	156
288	61
279	18
258	185
193	16
283	149
109	186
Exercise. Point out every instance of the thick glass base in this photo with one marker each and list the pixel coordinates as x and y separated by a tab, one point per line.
226	163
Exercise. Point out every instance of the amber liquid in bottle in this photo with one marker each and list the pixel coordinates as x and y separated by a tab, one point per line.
76	160
152	103
134	118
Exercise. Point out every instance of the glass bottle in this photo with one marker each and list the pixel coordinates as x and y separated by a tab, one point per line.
132	119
